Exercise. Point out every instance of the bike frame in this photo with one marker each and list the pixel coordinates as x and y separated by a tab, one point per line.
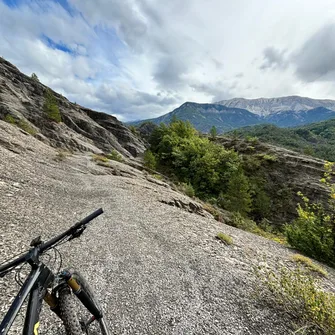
35	286
40	279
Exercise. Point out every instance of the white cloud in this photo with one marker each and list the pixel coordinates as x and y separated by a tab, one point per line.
141	58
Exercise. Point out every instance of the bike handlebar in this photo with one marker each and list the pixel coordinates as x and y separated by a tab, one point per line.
70	231
47	245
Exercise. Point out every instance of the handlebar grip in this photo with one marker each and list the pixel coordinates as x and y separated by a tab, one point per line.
90	217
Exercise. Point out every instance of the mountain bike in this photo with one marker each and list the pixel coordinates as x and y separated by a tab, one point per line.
59	290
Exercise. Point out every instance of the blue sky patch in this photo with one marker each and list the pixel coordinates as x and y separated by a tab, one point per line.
66	6
43	4
59	46
13	3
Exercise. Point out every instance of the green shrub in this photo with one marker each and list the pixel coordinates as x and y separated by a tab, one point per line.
243	223
313	232
149	160
224	238
268	157
115	156
252	139
133	129
297	293
314	229
193	159
50	107
187	188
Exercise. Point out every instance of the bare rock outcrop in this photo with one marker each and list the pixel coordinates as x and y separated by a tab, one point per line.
81	129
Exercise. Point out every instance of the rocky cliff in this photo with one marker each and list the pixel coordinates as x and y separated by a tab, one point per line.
81	129
284	173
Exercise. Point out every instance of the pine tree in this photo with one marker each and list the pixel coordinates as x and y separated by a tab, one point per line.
237	197
213	132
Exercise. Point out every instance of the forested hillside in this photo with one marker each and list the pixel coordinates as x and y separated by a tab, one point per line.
264	187
316	139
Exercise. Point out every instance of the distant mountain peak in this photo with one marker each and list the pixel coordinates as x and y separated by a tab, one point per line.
268	106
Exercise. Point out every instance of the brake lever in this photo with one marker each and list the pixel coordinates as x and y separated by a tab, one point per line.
77	233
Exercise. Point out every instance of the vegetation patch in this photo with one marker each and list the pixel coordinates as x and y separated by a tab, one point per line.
268	157
100	158
134	131
24	125
50	107
115	156
298	294
224	238
220	177
149	160
316	139
263	230
313	232
187	189
157	176
309	264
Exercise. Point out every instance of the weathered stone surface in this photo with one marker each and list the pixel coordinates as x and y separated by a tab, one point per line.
82	129
154	264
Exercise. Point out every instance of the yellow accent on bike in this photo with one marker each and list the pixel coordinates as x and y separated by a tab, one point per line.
73	284
36	328
50	300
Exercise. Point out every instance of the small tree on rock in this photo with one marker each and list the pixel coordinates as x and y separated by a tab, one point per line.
150	160
213	132
34	77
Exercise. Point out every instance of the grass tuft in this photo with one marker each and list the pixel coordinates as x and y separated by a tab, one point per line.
99	158
115	156
224	238
309	264
297	293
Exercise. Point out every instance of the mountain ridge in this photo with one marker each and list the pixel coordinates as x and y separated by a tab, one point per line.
205	115
267	106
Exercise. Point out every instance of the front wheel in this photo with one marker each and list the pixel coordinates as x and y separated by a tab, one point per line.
76	318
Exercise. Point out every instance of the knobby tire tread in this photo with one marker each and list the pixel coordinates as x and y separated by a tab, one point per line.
67	305
68	313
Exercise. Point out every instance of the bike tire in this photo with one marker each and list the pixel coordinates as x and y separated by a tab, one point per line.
70	312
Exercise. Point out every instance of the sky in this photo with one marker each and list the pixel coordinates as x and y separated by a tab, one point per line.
139	59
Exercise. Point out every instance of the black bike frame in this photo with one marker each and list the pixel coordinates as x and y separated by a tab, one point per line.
36	284
39	279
